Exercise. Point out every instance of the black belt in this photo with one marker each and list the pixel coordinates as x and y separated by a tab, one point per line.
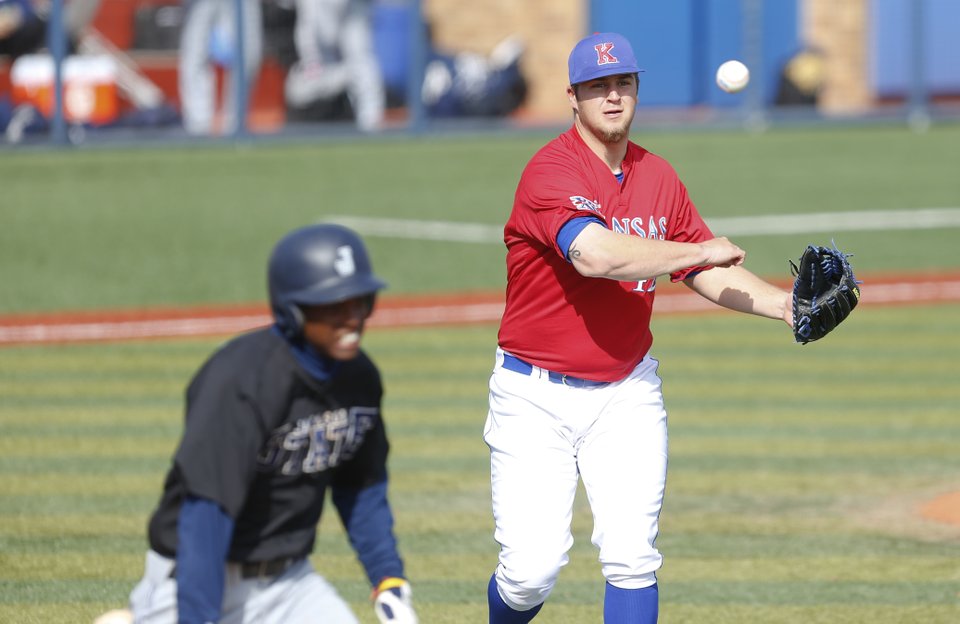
258	569
515	364
262	569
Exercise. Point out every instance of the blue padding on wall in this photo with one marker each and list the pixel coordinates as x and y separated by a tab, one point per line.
391	33
682	42
662	38
891	46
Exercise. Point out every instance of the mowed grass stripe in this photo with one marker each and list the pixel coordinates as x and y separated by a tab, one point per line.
862	423
816	592
708	543
469	567
103	432
876	331
827	465
78	485
111	388
161	444
753	540
93	545
91	465
87	418
813	444
164	359
850	613
67	401
68	525
851	366
763	379
734	482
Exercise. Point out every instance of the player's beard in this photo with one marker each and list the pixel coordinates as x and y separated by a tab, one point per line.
618	132
614	135
606	132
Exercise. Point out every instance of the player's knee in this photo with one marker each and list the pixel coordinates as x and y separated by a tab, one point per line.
528	585
635	572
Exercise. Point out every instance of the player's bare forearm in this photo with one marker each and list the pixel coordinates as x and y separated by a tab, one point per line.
598	252
738	289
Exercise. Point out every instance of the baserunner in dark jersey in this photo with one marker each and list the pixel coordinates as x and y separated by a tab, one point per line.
274	419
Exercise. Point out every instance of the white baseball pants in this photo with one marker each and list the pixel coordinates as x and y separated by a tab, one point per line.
298	596
543	437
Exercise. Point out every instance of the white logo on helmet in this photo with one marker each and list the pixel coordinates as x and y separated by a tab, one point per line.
344	264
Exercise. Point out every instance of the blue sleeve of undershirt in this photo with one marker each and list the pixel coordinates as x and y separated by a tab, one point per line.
203	533
571	229
368	520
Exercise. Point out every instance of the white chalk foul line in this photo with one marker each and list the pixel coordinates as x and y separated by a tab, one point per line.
423	230
859	221
862	221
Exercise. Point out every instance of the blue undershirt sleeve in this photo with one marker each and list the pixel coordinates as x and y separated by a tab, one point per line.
368	520
571	229
203	533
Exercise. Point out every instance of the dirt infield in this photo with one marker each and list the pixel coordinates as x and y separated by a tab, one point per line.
392	311
944	508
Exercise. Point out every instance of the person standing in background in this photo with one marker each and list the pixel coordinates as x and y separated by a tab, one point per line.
336	54
208	39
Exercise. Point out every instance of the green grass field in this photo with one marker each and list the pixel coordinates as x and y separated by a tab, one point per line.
795	476
123	228
796	472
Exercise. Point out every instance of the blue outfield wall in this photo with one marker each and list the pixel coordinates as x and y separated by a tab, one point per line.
680	44
893	42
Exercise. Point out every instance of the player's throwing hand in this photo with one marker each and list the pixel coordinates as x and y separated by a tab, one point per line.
722	253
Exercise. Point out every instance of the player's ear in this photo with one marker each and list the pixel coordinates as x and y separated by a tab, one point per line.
291	320
572	97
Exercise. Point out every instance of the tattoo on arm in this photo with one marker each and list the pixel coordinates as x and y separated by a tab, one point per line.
574	253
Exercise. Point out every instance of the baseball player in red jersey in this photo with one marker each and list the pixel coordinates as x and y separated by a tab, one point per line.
575	392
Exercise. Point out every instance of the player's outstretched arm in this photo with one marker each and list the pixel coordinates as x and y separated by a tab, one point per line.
599	252
738	289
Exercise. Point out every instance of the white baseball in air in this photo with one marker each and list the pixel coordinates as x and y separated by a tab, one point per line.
733	76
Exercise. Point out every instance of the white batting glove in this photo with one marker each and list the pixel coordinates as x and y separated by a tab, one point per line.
393	602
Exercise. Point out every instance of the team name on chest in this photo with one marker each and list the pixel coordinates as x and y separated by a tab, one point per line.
644	227
316	442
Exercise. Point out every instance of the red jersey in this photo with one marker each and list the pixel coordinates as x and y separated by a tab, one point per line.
555	318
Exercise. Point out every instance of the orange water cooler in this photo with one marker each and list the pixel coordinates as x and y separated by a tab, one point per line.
89	86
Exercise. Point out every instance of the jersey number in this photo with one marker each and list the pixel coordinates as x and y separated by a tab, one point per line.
647	285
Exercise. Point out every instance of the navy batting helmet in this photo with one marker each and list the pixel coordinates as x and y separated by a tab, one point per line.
316	265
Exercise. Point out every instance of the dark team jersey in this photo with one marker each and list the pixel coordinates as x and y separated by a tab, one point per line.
264	440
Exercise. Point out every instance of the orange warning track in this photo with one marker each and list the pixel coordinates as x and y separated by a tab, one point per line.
392	311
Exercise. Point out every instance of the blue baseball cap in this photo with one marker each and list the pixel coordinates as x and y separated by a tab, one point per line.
599	55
